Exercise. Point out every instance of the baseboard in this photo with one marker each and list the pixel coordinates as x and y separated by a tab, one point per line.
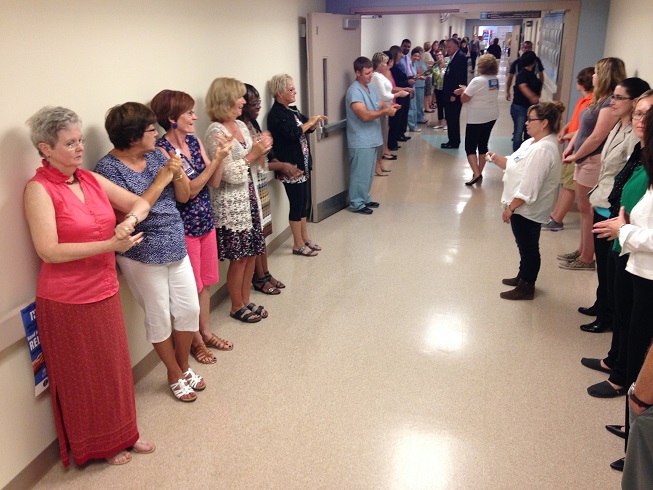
331	206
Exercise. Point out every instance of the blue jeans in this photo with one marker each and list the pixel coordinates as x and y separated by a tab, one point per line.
412	113
519	114
363	162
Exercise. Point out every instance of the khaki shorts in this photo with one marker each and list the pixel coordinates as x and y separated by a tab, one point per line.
587	173
567	176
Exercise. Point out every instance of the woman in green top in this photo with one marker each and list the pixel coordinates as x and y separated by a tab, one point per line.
629	187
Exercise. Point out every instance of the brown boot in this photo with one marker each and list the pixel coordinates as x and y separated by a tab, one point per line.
524	290
511	281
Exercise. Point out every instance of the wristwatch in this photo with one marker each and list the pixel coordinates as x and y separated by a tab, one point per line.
637	401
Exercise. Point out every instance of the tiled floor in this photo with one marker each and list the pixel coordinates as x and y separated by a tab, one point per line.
390	362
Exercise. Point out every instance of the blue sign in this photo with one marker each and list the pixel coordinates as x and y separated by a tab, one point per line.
36	353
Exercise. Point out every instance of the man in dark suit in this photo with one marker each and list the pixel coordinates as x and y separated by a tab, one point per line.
455	76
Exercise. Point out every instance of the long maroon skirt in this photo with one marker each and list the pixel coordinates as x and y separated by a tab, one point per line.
91	385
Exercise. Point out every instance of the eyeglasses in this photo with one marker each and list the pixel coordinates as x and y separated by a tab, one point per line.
621	97
72	145
531	119
256	103
638	115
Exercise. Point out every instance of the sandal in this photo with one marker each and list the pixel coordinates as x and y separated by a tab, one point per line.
377	174
275	282
313	247
143	447
310	252
218	343
260	284
258	310
202	354
123	457
194	381
183	392
389	157
242	316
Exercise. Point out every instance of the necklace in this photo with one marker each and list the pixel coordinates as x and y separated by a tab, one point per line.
72	180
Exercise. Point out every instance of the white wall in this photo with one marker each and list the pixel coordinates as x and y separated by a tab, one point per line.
89	56
629	19
381	33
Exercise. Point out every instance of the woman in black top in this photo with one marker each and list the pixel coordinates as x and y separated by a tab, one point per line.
289	128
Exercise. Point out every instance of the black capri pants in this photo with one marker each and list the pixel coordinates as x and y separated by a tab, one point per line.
477	136
298	195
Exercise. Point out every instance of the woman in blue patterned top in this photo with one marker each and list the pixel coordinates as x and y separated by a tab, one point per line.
175	113
158	271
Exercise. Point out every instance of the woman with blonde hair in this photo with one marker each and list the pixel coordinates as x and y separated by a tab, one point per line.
235	202
584	150
382	82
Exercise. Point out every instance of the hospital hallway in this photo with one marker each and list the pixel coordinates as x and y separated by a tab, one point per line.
390	362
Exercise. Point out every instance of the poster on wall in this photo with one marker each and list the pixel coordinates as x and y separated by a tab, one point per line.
36	353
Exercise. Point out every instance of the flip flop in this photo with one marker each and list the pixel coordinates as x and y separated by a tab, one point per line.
391	157
380	175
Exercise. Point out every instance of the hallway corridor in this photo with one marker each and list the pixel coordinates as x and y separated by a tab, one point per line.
390	362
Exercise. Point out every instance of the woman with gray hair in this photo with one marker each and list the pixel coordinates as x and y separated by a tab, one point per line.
289	128
70	213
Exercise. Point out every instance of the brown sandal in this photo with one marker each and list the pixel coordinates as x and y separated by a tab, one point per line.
218	343
202	354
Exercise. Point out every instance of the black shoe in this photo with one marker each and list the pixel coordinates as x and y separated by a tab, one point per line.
605	390
595	327
618	465
590	311
363	211
394	148
476	180
449	145
595	364
404	138
372	204
616	430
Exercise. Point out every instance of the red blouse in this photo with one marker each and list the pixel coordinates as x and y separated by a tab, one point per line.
85	280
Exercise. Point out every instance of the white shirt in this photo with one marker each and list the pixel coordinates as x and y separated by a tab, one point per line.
484	104
637	238
383	86
533	174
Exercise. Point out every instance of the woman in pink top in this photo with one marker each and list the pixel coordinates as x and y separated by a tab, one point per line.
70	214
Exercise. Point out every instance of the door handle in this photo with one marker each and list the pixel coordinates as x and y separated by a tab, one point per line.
323	130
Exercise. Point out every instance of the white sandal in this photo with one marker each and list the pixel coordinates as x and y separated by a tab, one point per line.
181	389
195	381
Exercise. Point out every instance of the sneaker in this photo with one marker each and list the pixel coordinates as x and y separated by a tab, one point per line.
570	257
416	130
444	128
438	126
578	265
552	225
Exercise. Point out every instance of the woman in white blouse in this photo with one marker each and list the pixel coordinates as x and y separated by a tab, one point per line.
530	182
387	92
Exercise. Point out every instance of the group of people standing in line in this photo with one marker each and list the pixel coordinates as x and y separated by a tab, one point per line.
180	205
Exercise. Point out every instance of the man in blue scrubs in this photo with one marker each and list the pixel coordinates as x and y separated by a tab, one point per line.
364	138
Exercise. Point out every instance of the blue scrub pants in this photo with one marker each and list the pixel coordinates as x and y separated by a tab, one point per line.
363	161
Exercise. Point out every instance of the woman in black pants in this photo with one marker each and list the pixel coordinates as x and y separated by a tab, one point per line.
289	128
532	174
